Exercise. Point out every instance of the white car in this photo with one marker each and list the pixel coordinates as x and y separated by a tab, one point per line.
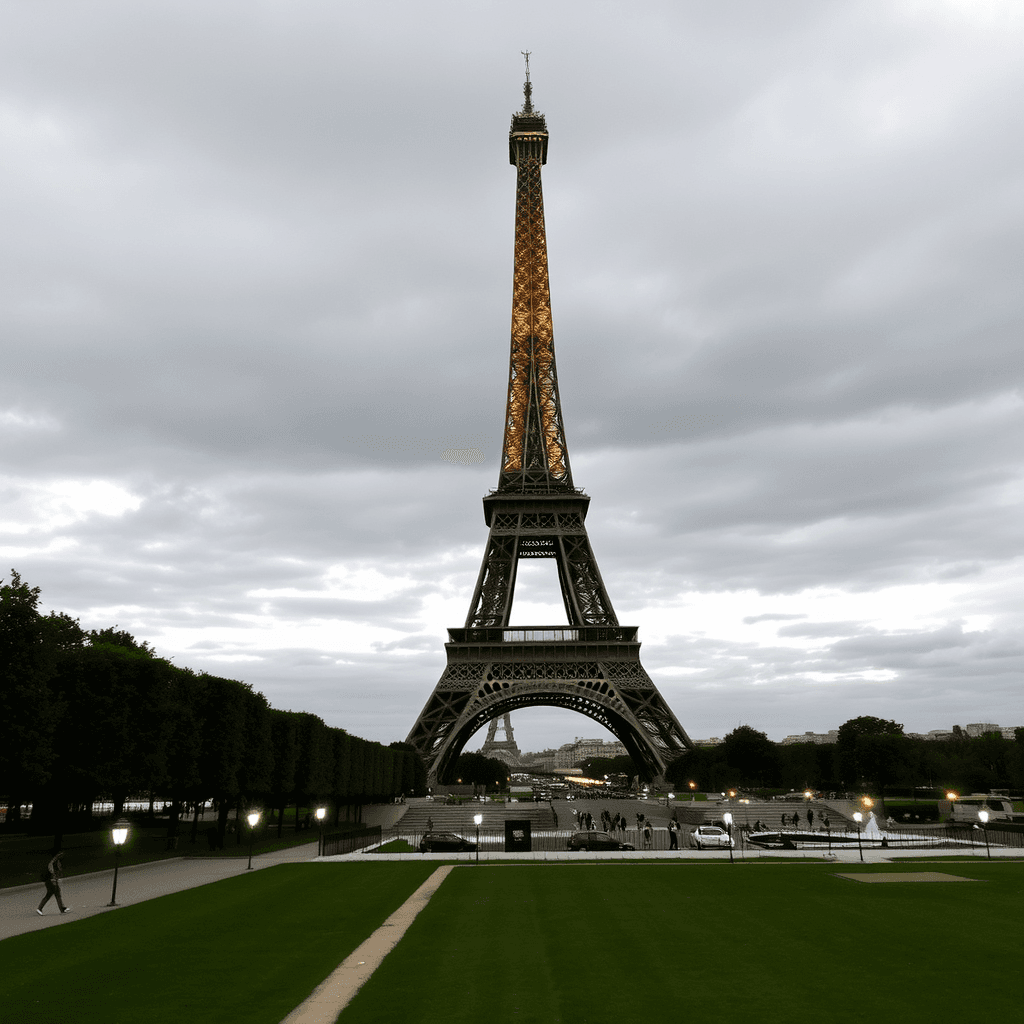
711	837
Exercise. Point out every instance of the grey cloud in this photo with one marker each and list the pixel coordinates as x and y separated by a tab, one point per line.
813	630
257	272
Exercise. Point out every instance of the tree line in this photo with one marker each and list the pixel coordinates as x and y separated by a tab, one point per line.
91	714
870	753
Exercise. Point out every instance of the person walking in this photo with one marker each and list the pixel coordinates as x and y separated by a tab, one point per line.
51	877
647	836
673	834
810	819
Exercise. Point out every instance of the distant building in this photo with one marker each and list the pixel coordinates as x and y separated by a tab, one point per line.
831	736
713	742
974	729
572	755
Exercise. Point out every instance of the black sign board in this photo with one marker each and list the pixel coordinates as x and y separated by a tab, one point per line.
518	838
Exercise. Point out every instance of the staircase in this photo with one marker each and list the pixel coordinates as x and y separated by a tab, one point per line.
770	812
459	817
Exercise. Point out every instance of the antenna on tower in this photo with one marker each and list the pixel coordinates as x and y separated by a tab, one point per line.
527	87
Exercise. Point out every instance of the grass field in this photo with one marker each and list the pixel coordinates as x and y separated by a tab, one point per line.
770	943
247	949
552	943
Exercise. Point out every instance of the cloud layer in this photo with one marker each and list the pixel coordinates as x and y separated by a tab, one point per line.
254	303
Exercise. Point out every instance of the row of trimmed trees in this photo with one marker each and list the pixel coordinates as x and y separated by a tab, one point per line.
86	715
869	753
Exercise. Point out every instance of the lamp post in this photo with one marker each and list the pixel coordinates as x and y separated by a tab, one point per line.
858	817
727	818
477	819
253	818
119	833
693	791
321	813
983	815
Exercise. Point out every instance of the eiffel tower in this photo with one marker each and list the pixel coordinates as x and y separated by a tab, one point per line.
593	665
504	750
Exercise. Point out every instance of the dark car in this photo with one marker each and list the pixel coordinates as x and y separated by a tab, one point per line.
437	842
596	841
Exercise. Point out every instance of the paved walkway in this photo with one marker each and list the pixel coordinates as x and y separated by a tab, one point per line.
334	994
90	894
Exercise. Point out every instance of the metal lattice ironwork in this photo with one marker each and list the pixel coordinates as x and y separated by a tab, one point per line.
593	666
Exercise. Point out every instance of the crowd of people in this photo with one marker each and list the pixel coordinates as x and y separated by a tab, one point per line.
618	823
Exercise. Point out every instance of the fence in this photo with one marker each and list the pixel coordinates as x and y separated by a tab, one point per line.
346	842
542	841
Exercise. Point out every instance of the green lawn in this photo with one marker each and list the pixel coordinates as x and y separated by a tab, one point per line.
771	943
248	949
547	943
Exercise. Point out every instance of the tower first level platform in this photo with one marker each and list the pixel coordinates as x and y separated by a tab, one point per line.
593	670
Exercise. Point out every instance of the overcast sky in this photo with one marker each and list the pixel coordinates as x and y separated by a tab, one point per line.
256	281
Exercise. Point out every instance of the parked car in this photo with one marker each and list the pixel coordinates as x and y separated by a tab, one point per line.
596	841
444	842
711	837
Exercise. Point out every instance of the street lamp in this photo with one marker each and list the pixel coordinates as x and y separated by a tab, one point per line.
119	833
693	787
727	818
320	814
858	817
253	818
983	815
477	819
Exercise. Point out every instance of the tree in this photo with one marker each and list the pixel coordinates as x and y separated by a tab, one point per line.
30	646
851	750
599	767
223	744
751	756
284	735
477	770
314	770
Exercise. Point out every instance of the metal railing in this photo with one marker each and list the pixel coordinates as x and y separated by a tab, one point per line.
346	842
547	840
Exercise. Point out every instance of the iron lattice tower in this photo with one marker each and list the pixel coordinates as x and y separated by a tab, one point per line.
593	665
505	749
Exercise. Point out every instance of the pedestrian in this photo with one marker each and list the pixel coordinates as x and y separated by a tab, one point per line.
810	818
673	834
430	824
51	876
647	836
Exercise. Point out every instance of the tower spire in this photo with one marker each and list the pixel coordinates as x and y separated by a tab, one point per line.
527	87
